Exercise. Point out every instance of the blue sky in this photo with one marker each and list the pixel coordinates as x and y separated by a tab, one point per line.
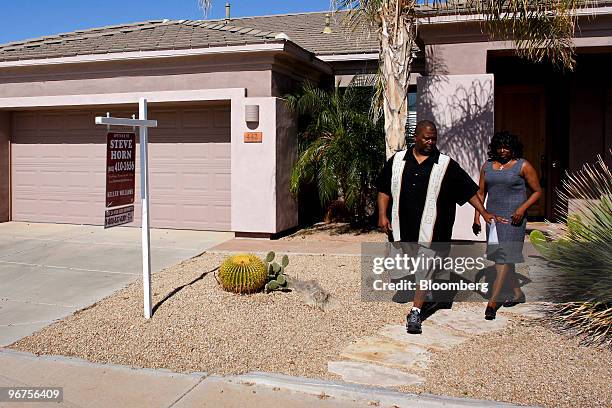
34	18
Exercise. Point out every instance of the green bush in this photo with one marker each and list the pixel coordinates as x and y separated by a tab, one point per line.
341	149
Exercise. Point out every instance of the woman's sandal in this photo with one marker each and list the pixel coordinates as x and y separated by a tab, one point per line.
515	301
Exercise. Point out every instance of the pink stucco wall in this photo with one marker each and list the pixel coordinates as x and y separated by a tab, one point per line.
134	76
254	201
458	59
261	202
459	47
4	166
461	106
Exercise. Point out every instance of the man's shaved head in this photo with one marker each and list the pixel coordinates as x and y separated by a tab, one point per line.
424	124
425	137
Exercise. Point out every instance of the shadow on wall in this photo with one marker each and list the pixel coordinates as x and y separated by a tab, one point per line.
463	113
462	108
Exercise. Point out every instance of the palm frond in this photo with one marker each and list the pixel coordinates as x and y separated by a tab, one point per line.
541	30
205	6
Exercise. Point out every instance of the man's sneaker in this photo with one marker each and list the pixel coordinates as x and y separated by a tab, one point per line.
413	322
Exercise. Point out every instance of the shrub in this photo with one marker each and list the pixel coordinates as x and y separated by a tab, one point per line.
583	251
341	149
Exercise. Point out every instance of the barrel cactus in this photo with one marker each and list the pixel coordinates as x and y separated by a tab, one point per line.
243	273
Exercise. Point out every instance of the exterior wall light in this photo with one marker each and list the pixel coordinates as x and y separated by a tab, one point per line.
251	113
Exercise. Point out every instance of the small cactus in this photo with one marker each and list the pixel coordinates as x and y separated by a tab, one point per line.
272	285
538	240
275	272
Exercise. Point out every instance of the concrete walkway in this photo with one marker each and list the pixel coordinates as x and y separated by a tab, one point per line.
48	271
395	358
93	385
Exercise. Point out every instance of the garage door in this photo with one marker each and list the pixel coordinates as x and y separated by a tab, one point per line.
58	161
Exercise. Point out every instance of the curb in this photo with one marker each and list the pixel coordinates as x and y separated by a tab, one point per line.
336	389
364	393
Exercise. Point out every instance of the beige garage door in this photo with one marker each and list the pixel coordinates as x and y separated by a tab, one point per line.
58	161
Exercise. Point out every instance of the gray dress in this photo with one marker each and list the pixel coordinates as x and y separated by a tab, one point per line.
506	192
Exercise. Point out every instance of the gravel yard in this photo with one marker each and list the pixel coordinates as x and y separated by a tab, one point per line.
202	328
524	363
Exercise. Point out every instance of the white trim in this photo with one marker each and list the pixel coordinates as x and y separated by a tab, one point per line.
397	171
348	57
123	98
103	120
280	46
430	211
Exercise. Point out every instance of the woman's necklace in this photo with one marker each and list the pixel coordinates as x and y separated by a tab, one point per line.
501	165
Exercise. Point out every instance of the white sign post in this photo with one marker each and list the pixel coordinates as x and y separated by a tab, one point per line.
143	125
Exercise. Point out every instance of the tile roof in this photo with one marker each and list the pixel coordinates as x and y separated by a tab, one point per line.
304	29
143	36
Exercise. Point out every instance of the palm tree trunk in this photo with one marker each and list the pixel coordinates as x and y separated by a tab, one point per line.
397	38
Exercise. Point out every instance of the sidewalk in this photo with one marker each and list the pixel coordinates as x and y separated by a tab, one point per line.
94	385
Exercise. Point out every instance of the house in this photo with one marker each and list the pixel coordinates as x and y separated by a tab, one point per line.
200	78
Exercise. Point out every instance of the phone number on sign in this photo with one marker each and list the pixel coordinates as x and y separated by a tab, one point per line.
8	394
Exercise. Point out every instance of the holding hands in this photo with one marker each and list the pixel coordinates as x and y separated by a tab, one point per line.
488	217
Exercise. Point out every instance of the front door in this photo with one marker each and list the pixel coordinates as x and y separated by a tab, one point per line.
521	110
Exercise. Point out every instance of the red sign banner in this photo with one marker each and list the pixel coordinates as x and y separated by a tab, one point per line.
120	168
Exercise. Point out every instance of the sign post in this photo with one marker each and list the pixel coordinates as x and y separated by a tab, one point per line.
122	214
144	198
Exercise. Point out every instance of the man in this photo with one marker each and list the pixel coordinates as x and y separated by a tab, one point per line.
423	185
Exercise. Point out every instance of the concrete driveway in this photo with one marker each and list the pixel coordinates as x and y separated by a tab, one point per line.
48	271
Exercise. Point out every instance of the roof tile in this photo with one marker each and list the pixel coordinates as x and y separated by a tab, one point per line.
304	29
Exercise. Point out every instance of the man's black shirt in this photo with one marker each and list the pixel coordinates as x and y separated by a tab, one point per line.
457	188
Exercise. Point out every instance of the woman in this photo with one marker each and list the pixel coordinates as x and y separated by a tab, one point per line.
503	178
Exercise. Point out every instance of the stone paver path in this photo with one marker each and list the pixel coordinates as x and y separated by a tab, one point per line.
394	358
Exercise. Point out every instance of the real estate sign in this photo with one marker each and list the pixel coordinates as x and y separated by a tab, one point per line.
120	168
120	177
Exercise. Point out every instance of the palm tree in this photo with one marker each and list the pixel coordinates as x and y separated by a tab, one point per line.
540	29
340	147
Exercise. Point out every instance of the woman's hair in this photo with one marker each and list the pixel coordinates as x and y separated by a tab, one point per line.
505	139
